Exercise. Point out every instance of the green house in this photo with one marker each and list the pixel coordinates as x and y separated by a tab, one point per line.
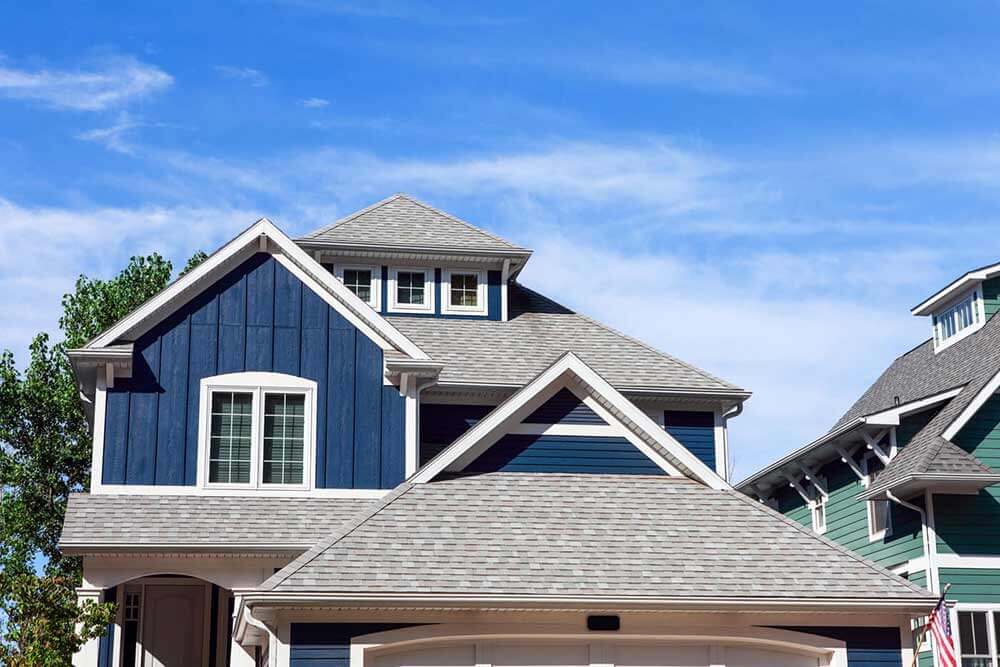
906	478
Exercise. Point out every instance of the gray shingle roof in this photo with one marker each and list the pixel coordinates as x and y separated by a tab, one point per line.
401	220
537	333
572	534
120	520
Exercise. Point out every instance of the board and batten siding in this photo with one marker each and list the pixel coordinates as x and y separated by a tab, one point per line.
259	317
970	525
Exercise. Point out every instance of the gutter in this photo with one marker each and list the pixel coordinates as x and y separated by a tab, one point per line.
984	479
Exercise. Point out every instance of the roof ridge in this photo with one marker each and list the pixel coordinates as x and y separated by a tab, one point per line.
345	529
641	343
433	209
824	540
351	216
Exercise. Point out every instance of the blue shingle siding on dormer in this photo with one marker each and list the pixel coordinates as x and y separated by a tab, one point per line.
259	317
694	430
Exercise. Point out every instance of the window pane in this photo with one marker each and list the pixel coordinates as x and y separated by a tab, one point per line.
410	287
231	429
359	281
284	438
464	289
972	633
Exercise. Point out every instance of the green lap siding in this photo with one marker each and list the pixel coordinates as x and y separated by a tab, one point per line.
847	519
970	525
991	297
972	585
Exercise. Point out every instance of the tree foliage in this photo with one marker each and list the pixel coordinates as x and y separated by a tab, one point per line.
45	453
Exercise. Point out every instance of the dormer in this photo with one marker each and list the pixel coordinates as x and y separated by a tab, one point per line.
406	258
963	307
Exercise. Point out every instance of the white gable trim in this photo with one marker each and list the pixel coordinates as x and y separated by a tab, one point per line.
973	407
967	281
254	239
608	402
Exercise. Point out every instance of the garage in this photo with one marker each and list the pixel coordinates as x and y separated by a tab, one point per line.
528	653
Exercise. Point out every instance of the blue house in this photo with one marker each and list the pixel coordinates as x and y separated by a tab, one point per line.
373	445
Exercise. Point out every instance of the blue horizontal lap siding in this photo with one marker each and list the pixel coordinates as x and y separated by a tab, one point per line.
694	430
564	408
567	454
866	647
259	317
329	644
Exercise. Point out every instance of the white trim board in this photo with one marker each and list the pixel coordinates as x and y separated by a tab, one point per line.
570	371
255	239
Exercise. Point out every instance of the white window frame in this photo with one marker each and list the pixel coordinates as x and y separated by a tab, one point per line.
991	610
950	310
427	306
257	384
875	535
817	508
482	307
376	300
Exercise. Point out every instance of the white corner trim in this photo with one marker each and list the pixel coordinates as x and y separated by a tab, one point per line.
504	281
257	384
323	283
100	418
720	434
429	288
481	307
376	282
555	376
973	407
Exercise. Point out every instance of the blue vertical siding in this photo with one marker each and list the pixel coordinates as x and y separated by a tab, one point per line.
259	317
866	647
564	408
493	295
329	644
694	430
568	454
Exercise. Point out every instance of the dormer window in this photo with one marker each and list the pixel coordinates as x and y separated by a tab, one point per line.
958	320
411	290
465	292
363	281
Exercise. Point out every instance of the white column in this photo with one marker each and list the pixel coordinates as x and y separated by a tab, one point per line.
408	386
88	654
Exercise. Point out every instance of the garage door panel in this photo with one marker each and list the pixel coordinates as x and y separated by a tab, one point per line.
661	655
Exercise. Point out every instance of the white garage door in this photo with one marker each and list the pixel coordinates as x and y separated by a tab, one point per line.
576	654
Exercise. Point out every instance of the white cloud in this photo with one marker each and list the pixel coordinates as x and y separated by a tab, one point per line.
315	103
106	83
46	248
254	77
114	136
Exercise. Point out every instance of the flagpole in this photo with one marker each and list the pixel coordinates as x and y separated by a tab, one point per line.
923	630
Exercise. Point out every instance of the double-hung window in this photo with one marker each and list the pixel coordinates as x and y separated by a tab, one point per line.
258	431
819	513
464	292
977	635
879	511
411	290
364	281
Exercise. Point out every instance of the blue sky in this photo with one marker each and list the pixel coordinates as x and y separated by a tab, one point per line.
761	190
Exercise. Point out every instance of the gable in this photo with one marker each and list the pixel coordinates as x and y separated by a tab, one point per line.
258	317
694	430
565	454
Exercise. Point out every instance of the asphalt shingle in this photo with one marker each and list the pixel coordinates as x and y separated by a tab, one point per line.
595	535
136	521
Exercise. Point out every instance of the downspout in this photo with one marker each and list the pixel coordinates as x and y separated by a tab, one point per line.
735	412
925	532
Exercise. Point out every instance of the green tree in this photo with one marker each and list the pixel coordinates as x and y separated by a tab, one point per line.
45	452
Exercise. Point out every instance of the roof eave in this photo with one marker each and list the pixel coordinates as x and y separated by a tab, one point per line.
961	283
910	485
319	244
255	598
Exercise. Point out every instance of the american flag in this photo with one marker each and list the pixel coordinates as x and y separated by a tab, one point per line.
940	626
